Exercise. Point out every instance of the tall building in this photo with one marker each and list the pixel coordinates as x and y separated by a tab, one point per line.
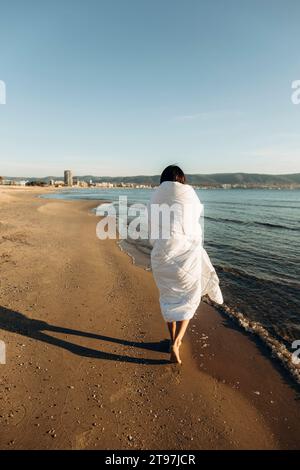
68	178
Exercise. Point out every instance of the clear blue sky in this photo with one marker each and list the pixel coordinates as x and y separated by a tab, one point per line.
123	87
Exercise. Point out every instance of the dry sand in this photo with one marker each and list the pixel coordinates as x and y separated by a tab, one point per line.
87	362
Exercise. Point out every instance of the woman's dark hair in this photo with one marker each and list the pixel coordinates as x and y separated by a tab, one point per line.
173	173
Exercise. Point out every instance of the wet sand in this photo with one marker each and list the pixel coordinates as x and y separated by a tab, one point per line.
87	362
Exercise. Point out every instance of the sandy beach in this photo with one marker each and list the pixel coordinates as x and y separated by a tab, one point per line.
87	363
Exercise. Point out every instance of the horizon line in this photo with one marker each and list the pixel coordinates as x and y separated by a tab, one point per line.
154	175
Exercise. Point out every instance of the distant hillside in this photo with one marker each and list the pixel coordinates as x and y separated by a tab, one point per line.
196	179
244	178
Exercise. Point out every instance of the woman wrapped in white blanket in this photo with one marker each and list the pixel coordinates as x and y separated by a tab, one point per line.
181	267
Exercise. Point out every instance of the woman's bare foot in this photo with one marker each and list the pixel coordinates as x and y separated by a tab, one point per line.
175	357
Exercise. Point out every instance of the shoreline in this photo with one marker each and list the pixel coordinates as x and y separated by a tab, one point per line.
79	266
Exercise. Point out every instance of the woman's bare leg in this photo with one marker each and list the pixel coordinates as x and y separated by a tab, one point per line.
181	327
172	330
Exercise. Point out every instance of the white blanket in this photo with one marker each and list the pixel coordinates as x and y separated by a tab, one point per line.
181	267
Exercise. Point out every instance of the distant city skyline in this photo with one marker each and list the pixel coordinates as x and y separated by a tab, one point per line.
125	88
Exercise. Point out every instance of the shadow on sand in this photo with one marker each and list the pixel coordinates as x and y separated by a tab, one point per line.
16	322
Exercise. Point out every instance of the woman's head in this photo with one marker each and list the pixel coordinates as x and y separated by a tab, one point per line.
173	173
